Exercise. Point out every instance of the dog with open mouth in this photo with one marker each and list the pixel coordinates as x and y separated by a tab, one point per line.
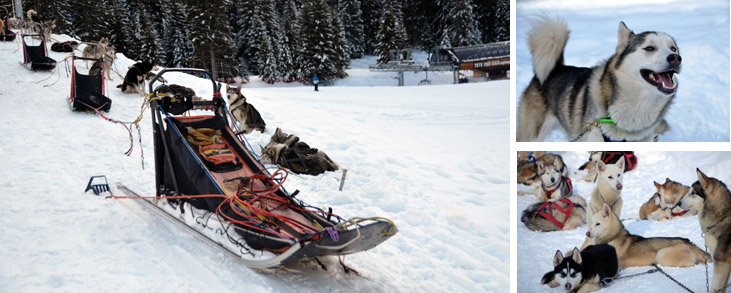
624	98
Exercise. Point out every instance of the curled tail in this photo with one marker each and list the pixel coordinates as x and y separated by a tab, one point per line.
701	256
546	40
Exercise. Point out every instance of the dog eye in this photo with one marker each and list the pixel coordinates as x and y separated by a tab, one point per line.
597	224
611	177
673	49
649	48
573	275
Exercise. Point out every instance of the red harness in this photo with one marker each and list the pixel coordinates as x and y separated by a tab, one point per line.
549	216
679	214
629	158
549	192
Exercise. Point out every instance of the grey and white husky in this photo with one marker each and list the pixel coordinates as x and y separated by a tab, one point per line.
624	98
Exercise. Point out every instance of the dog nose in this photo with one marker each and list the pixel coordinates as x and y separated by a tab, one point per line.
674	59
588	234
619	186
553	180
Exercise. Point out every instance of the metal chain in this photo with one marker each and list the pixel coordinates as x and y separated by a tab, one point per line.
674	280
650	271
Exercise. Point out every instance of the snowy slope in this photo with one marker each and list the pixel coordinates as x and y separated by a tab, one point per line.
536	249
414	154
700	110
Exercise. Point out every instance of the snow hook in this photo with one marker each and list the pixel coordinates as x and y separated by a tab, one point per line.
97	186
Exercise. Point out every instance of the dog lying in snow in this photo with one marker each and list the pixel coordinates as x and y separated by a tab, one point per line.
287	151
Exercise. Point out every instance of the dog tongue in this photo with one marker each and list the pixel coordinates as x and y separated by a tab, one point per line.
665	80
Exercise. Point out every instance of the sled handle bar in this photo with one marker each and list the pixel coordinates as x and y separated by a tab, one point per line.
184	70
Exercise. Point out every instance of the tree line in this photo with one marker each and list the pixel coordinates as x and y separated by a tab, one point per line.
280	40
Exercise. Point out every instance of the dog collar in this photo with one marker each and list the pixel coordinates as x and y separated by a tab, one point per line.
679	214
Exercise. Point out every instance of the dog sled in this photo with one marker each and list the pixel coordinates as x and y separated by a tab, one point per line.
204	171
36	57
87	90
5	33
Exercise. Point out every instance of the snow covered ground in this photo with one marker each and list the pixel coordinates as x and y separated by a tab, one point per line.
431	158
700	111
536	249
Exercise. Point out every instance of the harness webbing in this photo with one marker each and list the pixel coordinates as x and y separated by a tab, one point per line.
549	216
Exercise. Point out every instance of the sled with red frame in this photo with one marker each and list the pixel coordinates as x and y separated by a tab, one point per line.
87	90
35	57
225	194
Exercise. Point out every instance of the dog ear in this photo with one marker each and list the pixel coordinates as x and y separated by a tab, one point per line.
623	36
228	87
702	178
577	255
557	163
238	88
658	186
657	199
557	258
600	166
620	163
606	210
668	180
540	166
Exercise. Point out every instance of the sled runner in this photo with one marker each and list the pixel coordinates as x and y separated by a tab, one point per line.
87	90
204	171
36	57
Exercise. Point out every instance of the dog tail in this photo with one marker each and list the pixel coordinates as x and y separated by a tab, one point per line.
701	256
547	39
527	218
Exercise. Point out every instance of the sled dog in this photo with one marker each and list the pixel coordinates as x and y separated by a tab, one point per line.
247	116
288	151
608	186
638	251
630	162
101	50
582	271
664	204
134	80
624	98
527	166
554	185
712	199
564	214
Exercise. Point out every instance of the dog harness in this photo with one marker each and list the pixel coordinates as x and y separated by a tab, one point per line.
549	216
629	158
549	192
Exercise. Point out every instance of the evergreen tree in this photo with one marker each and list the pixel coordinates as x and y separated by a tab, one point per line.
493	17
463	27
391	33
318	53
176	44
149	46
371	10
288	42
210	35
269	68
352	21
419	17
342	49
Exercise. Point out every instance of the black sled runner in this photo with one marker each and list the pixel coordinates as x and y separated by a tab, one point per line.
205	174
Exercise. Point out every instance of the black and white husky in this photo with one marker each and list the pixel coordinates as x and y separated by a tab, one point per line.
134	80
624	98
583	271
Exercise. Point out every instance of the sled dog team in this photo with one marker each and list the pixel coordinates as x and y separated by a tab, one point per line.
608	247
